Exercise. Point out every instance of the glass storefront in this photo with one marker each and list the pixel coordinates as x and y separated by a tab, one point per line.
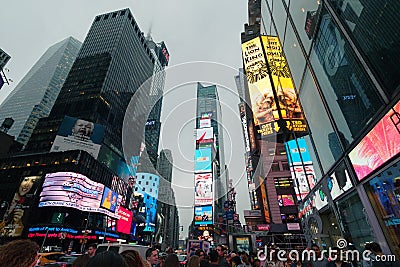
384	194
356	227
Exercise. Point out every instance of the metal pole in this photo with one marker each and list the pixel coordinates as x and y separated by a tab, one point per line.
84	234
44	240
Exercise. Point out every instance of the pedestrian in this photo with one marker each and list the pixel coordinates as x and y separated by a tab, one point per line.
235	261
152	256
194	261
19	253
336	260
133	258
214	258
172	261
107	259
321	260
81	260
245	260
91	251
221	254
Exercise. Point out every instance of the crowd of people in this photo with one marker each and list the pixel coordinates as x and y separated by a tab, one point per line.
24	253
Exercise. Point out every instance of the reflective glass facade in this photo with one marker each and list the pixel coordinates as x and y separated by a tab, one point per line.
344	58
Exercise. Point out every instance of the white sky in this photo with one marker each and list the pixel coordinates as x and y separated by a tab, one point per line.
192	30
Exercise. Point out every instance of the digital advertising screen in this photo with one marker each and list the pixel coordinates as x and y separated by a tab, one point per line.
203	215
378	146
339	182
205	123
285	200
242	244
109	200
75	133
203	160
203	189
204	135
298	152
320	199
124	222
73	190
16	215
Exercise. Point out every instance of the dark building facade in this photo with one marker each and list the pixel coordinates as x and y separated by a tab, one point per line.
343	56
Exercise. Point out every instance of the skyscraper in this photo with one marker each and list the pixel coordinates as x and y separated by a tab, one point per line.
36	93
211	183
4	58
114	61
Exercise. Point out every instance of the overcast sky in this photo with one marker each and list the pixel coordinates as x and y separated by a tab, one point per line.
206	30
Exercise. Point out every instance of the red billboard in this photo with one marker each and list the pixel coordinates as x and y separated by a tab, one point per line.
125	221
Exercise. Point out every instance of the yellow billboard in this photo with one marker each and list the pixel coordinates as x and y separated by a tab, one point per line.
264	62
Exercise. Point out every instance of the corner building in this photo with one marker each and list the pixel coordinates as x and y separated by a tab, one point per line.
344	57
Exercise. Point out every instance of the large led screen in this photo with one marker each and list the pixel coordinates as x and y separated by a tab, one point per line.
203	189
125	221
203	215
203	160
204	135
339	181
109	200
260	89
16	213
379	145
80	134
73	190
298	152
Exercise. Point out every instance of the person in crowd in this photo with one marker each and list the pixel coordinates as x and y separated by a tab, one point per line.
200	253
19	253
298	262
245	260
194	261
321	260
337	260
171	261
256	263
262	258
152	256
81	260
107	259
12	224
236	261
214	258
221	255
91	251
162	257
378	259
272	259
133	258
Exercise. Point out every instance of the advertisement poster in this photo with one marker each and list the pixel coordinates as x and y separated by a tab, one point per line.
203	160
80	134
109	200
379	145
339	182
204	135
73	190
285	200
205	123
203	189
125	221
243	244
15	216
203	215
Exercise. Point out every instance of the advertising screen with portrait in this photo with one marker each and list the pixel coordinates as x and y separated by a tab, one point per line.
203	189
109	200
73	190
203	215
379	145
16	216
203	160
75	133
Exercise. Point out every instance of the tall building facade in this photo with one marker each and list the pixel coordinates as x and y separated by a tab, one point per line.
4	58
169	228
37	92
114	61
343	56
211	185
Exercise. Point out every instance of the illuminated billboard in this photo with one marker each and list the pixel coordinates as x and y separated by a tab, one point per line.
16	215
285	200
203	160
76	133
109	200
125	221
266	72
379	145
73	190
339	182
204	135
205	123
264	200
203	189
203	215
298	152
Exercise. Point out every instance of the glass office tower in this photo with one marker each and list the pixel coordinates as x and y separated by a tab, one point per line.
35	94
344	57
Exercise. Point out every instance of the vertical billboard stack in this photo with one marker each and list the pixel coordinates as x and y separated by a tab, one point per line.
203	172
274	103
